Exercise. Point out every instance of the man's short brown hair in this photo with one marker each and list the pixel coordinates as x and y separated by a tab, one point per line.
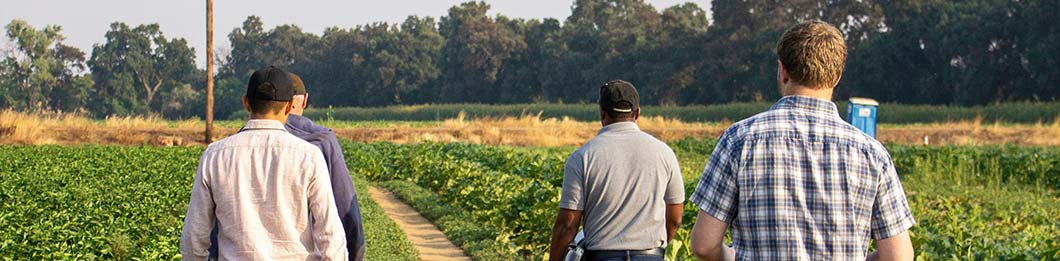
813	53
259	106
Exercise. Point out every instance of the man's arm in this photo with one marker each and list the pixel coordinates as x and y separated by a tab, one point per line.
673	219
345	194
674	196
897	247
327	229
891	218
199	221
708	238
563	232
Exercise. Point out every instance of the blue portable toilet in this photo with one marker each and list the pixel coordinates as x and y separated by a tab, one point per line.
861	112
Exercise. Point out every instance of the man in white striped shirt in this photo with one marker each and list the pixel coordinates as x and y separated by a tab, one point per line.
267	191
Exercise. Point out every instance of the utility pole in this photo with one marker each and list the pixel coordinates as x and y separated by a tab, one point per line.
209	71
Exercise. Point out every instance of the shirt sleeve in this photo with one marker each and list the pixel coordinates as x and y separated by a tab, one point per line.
890	211
572	194
199	221
675	187
716	193
327	229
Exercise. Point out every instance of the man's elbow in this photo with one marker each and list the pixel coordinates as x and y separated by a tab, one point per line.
898	247
673	223
563	228
701	250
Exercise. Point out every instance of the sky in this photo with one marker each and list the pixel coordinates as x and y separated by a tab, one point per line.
84	23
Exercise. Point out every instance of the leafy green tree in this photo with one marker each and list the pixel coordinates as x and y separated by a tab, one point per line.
135	65
607	40
680	53
409	62
475	49
41	73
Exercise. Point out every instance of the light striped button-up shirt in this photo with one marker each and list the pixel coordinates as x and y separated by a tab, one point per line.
797	182
270	195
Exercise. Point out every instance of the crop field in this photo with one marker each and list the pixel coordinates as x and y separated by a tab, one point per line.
495	202
120	203
971	203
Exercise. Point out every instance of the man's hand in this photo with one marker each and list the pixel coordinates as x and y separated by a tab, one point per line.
897	247
563	232
708	237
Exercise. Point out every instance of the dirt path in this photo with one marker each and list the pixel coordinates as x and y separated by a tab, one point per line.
429	241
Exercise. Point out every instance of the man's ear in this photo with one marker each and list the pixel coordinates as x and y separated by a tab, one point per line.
246	105
636	114
305	101
287	108
782	73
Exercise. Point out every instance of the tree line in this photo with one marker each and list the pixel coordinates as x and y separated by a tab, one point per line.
970	52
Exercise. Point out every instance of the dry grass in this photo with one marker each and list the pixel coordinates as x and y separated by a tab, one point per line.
52	128
974	132
19	128
525	130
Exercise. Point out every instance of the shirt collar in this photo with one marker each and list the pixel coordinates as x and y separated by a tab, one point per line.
806	103
297	120
619	126
262	124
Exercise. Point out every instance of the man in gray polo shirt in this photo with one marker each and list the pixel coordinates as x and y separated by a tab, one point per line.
624	182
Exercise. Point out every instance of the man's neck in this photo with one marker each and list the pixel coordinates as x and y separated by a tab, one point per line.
608	122
276	117
823	93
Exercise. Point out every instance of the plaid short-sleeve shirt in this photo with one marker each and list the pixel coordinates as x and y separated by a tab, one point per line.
798	182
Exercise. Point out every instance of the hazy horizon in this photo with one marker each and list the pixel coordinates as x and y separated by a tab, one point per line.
84	23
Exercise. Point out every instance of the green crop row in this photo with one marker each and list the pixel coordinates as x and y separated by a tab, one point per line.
970	202
888	113
121	203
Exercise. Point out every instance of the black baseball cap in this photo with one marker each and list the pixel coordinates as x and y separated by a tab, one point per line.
619	96
270	84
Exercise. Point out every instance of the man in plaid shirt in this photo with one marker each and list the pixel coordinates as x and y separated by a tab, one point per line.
796	181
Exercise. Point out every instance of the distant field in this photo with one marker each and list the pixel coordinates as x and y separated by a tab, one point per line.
1028	113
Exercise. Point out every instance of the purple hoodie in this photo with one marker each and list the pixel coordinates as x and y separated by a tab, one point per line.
341	182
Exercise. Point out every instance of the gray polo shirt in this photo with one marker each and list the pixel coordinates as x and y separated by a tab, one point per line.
622	181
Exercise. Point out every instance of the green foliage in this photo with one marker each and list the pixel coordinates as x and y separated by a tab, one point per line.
41	73
139	71
970	202
888	113
90	202
122	203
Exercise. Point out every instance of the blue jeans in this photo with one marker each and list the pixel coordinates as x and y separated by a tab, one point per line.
633	258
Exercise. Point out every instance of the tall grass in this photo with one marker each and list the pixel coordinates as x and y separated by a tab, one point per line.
1028	113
